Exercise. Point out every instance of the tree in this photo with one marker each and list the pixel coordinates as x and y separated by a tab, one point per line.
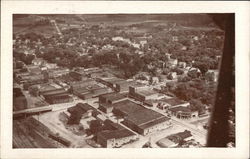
210	76
183	91
177	70
193	74
196	105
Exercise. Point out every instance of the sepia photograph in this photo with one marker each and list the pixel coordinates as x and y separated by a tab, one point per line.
119	80
108	79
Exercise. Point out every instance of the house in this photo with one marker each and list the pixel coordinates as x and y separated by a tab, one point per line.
38	61
182	64
155	80
50	65
168	56
172	62
172	76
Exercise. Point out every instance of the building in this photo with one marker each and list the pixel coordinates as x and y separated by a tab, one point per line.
182	64
41	89
84	109
166	143
30	80
57	72
181	136
172	76
141	92
110	82
88	89
106	101
34	69
81	84
38	61
19	100
139	118
173	62
52	92
123	86
56	99
115	136
166	103
78	76
183	112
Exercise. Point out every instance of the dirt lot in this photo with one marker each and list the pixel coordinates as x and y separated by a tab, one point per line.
51	120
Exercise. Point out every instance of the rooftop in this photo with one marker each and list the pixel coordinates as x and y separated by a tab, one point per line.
115	134
114	80
138	114
180	109
113	96
54	92
173	101
165	142
81	108
147	92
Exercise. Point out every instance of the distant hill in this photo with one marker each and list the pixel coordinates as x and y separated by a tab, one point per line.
24	21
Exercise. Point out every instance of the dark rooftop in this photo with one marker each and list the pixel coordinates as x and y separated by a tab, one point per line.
115	134
138	114
181	109
173	101
81	108
113	96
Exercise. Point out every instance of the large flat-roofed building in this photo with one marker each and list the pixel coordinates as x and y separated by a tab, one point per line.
57	72
56	99
88	89
123	86
106	101
139	118
112	98
115	136
80	84
110	82
141	92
